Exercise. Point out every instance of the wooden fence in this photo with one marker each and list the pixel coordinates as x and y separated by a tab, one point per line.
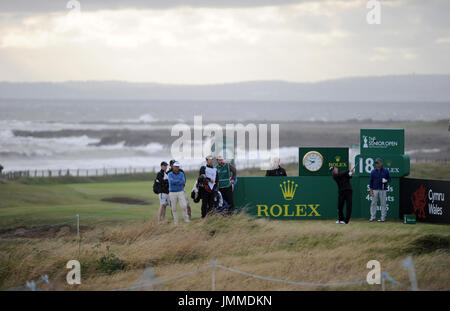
12	175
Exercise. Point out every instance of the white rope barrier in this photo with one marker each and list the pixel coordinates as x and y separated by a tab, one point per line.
215	265
32	285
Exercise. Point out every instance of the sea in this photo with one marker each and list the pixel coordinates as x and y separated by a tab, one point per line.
86	134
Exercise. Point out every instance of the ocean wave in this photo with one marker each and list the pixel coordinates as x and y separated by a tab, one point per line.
145	118
6	134
26	153
151	148
51	126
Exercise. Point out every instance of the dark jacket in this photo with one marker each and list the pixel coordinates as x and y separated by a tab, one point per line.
163	183
376	177
276	172
343	181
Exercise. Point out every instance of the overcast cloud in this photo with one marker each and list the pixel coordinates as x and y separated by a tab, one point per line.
204	41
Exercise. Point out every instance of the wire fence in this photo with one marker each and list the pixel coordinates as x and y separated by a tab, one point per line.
385	277
214	266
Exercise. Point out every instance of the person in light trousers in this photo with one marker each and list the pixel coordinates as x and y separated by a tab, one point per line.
379	180
177	181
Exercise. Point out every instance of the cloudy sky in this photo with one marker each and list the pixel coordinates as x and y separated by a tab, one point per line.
209	41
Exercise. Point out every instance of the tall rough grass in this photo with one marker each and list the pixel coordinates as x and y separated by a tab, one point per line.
311	251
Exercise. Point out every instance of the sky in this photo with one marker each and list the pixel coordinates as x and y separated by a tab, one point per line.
209	42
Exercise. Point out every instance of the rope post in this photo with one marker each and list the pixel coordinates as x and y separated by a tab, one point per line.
409	265
78	226
78	235
213	276
31	285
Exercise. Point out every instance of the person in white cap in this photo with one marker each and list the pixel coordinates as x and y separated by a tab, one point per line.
187	200
177	181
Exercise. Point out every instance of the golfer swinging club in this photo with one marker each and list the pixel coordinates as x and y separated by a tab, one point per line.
379	179
345	193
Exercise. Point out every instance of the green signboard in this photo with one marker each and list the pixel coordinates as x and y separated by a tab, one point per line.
382	141
398	165
303	197
317	161
306	197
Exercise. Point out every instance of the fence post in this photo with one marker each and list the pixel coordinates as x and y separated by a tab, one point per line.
213	276
78	226
409	265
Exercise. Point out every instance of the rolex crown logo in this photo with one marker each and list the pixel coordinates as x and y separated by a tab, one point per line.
338	158
288	189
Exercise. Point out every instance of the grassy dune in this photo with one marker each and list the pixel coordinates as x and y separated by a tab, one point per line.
311	251
129	239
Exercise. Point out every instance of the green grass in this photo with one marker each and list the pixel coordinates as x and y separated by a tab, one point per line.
36	205
430	171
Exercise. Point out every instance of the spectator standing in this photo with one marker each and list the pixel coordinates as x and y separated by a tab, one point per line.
177	182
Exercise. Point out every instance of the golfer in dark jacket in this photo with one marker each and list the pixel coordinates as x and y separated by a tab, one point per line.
163	191
345	193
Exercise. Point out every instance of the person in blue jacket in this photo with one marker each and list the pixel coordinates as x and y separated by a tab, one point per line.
379	180
177	181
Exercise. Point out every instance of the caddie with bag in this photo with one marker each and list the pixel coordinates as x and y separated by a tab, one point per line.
211	180
227	174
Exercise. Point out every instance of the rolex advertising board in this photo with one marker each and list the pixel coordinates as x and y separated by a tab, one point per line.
317	161
382	141
303	197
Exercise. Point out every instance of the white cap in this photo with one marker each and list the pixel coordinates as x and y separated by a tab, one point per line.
177	164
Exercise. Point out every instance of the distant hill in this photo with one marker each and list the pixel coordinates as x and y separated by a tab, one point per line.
384	88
